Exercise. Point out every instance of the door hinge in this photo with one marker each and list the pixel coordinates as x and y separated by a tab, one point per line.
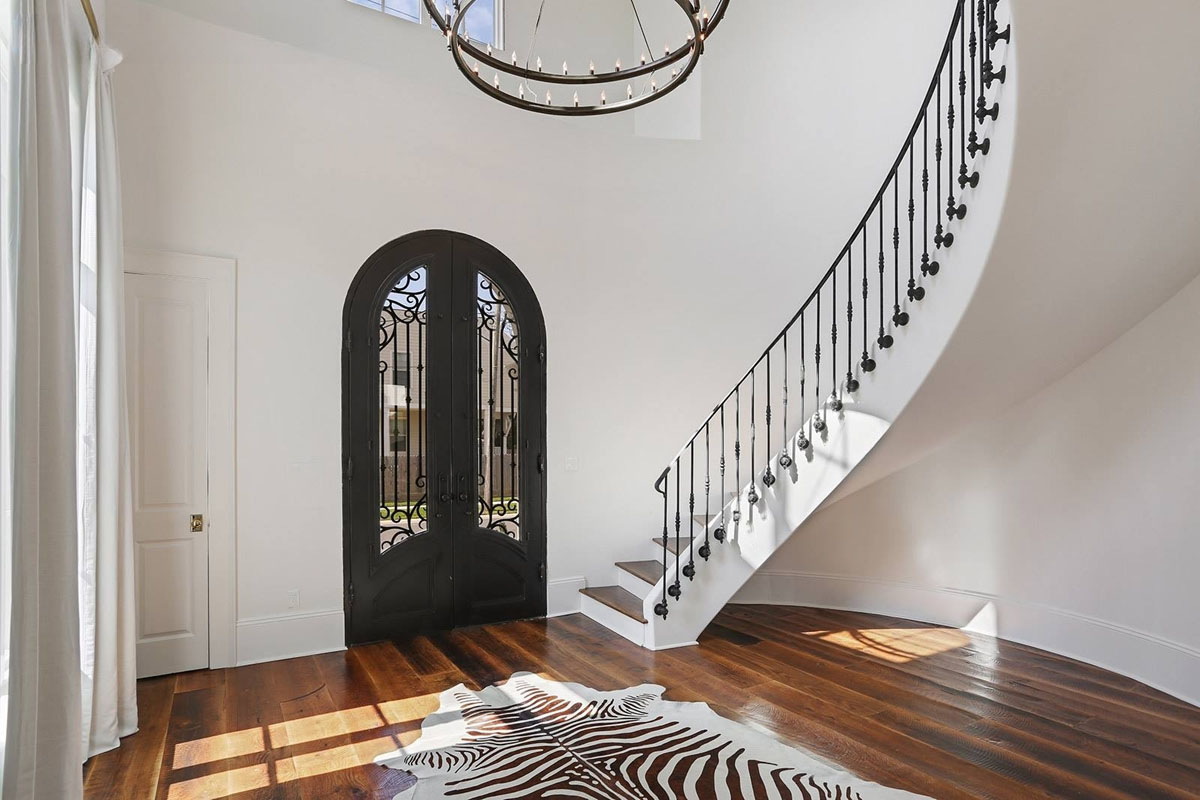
350	597
541	463
542	572
542	354
349	467
349	341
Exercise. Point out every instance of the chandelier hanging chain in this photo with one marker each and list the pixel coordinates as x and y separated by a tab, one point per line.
471	60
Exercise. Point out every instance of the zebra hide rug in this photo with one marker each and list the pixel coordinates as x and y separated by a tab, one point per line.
535	738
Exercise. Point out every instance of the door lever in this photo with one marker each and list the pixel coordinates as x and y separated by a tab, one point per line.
443	490
462	488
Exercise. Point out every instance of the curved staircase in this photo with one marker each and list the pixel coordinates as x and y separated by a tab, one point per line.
823	392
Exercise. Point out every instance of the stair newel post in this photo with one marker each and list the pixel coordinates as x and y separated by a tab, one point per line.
689	571
719	533
676	589
662	487
705	551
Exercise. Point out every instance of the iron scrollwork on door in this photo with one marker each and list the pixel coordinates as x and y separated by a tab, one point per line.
403	482
499	439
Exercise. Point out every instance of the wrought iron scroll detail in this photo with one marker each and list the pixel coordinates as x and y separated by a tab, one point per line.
500	439
403	482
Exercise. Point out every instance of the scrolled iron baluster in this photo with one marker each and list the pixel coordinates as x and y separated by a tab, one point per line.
719	533
661	608
965	178
785	460
928	267
954	209
737	451
705	550
835	399
939	237
899	317
676	588
768	477
802	440
868	363
885	340
689	570
818	419
851	383
752	494
979	80
915	293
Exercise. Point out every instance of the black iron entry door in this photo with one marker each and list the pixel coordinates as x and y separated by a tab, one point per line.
444	440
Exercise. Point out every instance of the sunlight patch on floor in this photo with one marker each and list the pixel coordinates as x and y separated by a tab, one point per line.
279	737
898	645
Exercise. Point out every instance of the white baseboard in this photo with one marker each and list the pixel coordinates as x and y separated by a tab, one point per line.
1168	666
280	636
562	596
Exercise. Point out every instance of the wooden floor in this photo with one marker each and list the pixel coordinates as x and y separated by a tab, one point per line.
932	710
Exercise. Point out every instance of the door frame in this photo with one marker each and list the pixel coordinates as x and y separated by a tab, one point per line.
220	274
385	260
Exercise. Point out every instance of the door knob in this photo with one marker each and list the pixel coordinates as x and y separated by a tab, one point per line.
197	523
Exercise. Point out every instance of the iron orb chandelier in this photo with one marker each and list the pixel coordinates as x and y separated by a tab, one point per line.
532	87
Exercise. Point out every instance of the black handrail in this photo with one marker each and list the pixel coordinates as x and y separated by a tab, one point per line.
985	32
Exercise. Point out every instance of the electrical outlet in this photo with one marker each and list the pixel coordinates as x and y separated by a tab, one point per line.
294	598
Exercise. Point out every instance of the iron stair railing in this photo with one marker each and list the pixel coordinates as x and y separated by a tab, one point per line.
965	63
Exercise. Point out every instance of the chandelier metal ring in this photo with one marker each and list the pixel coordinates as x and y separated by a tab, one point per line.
462	48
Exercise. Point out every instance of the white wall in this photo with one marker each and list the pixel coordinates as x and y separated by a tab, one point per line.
661	266
1072	521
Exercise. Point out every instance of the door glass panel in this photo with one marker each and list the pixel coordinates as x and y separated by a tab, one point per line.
499	425
403	499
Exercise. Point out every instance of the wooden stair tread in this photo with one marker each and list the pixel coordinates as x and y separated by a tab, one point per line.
671	548
617	599
649	571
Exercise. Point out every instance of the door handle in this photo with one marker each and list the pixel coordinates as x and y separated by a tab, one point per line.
443	490
197	523
462	488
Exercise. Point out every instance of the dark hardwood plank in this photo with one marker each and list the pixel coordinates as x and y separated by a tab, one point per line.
934	710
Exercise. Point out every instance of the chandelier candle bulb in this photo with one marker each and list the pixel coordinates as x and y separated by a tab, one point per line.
629	90
565	70
592	67
539	64
618	65
603	98
577	99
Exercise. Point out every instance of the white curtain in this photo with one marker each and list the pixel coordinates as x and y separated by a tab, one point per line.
66	636
107	635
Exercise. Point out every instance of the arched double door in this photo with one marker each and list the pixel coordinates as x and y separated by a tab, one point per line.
444	440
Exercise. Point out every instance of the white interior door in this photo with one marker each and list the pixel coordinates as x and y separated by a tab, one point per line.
167	341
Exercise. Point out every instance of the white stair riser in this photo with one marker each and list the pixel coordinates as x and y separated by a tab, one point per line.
614	620
632	583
